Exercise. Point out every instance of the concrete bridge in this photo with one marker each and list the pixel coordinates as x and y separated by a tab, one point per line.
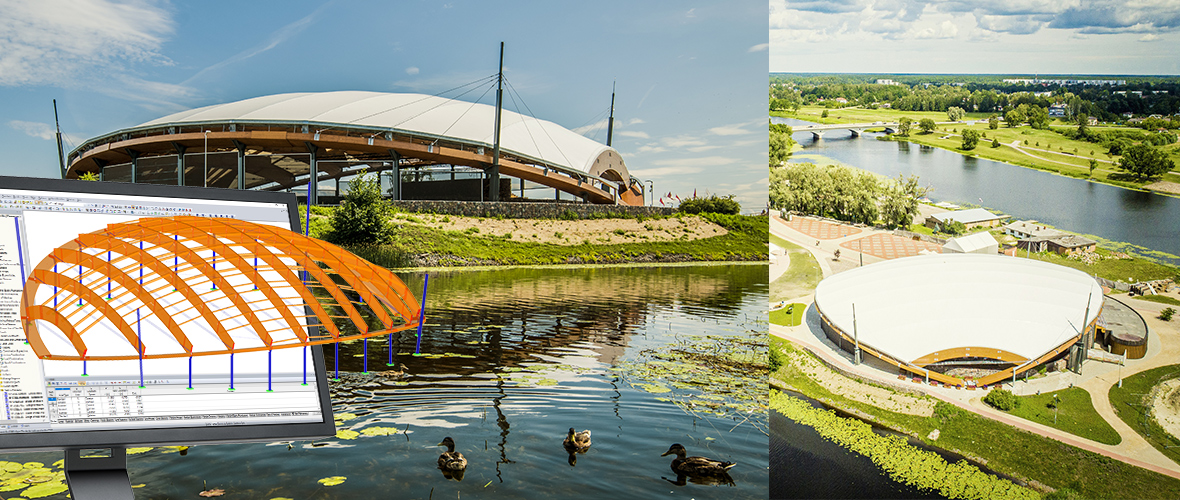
817	131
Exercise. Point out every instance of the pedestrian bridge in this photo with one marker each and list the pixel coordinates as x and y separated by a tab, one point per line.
818	130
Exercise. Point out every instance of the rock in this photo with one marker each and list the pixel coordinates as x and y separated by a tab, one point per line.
933	435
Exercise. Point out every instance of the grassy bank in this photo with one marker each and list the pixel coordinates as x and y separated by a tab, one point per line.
792	315
1131	403
415	244
1001	447
1137	269
1074	414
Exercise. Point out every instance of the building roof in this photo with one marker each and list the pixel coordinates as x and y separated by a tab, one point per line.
969	216
1034	228
418	114
913	307
971	242
1071	241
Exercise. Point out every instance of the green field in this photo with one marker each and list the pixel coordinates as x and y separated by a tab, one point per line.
1002	447
802	276
1074	414
1162	299
1135	269
1128	402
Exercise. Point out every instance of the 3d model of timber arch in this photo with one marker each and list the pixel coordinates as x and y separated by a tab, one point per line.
177	287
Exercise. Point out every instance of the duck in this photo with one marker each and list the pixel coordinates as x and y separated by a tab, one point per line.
397	372
695	466
576	441
451	460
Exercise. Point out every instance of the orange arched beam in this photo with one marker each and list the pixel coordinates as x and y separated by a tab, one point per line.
178	225
45	313
149	235
102	242
88	295
77	256
260	249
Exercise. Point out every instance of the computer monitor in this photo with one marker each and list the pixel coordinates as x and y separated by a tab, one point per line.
49	404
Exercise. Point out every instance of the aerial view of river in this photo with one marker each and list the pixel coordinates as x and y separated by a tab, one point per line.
1141	218
513	357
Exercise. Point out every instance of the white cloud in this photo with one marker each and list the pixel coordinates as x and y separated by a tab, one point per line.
635	121
735	129
598	125
664	171
759	48
275	39
51	43
34	129
412	70
695	162
701	149
650	148
946	29
682	141
634	133
1150	37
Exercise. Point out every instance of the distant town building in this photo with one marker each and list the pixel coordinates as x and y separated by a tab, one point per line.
1091	121
1057	110
1064	245
1042	81
1031	229
972	218
886	81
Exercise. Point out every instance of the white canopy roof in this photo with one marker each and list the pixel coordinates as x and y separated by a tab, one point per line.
972	243
915	306
418	114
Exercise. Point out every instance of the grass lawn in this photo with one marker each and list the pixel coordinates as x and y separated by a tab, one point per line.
1135	268
1075	414
861	115
792	318
1162	299
1004	448
802	275
1128	404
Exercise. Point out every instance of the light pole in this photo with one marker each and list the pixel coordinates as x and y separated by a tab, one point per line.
1056	403
651	190
206	160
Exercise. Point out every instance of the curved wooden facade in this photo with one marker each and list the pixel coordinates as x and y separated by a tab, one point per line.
213	285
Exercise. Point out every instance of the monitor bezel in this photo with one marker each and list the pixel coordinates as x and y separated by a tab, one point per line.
63	440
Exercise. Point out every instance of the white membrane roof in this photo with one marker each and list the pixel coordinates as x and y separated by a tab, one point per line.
915	306
420	114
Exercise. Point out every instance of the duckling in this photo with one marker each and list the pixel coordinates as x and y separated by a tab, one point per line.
695	466
576	441
397	372
451	460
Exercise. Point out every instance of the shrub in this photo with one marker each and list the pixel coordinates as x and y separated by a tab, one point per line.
776	359
1167	313
1002	399
713	204
568	214
363	216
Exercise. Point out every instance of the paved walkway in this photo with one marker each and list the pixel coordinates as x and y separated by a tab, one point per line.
821	229
888	246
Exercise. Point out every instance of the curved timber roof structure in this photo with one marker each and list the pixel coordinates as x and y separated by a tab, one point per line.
345	128
917	311
191	286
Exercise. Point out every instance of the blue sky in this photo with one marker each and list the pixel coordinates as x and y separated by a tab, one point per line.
958	36
690	112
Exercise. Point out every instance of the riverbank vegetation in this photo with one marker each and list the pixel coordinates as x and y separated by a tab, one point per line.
845	194
1112	266
1044	462
1133	402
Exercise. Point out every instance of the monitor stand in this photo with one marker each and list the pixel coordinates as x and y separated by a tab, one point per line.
101	475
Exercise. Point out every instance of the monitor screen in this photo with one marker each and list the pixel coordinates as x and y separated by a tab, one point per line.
66	403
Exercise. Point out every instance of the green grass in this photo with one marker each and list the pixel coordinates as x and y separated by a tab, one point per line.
1162	299
792	318
1075	414
801	277
1137	269
1128	403
861	115
1003	448
746	240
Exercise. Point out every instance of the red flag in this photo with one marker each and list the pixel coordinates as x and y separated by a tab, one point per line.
694	193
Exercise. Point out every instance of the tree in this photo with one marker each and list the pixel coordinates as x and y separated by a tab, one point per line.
993	122
824	114
926	124
996	143
1093	165
970	139
1167	314
904	125
780	143
954	113
899	201
1014	117
88	176
1038	117
363	216
1117	147
1002	399
1145	161
954	228
713	204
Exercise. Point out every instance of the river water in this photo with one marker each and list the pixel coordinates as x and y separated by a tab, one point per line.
526	353
1141	218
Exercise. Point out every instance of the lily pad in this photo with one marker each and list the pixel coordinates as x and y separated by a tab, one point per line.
136	451
379	431
12	486
653	388
33	465
332	481
44	490
347	434
346	416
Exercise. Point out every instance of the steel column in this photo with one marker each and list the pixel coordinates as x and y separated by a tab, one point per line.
179	163
241	164
314	179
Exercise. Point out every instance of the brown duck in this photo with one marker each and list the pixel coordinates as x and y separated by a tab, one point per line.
451	460
695	466
576	441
